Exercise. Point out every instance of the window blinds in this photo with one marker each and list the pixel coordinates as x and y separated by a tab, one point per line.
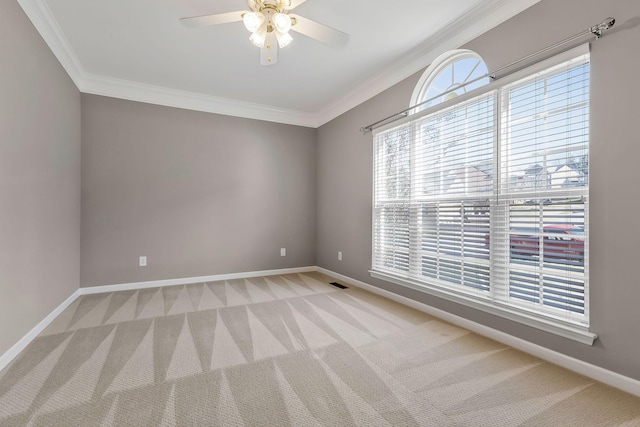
543	202
488	196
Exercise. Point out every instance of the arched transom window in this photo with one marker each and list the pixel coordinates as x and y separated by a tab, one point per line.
451	74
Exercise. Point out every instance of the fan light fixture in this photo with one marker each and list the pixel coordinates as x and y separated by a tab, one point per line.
282	22
269	22
259	36
269	16
284	39
252	21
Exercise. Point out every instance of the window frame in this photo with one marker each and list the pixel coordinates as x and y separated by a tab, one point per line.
567	329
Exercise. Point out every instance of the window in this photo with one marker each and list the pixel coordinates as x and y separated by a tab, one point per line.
450	75
483	199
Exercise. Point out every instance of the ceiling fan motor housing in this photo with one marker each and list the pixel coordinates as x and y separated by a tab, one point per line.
280	6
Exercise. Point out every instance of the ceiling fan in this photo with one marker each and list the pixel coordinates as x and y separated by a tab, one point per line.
269	22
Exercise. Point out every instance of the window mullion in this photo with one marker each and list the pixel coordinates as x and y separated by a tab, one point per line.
415	224
499	272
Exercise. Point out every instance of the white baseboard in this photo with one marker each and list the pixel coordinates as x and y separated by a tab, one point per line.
189	280
597	373
10	354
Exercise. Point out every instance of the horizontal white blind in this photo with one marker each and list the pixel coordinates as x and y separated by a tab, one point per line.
432	184
393	199
489	196
543	197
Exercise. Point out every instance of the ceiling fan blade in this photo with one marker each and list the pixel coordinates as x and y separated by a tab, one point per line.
322	33
294	3
215	19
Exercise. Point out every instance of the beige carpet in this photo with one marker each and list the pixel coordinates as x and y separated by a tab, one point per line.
284	350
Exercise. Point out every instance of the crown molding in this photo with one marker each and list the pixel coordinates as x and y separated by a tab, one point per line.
481	19
140	92
42	19
471	25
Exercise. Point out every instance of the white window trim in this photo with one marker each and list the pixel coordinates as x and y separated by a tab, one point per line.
573	331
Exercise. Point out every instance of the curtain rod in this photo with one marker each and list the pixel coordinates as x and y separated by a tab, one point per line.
595	30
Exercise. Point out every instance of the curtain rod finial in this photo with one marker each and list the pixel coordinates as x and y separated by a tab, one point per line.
597	30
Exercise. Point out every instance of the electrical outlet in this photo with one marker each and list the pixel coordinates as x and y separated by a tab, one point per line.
283	251
143	261
339	255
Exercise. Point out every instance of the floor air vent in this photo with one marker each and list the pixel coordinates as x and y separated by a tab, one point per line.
338	285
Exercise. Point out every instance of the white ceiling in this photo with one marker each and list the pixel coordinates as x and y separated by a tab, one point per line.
138	50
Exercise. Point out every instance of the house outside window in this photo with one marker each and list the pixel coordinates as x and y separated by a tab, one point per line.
481	195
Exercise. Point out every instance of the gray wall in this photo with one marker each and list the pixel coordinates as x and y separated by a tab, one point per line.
39	178
198	194
345	171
